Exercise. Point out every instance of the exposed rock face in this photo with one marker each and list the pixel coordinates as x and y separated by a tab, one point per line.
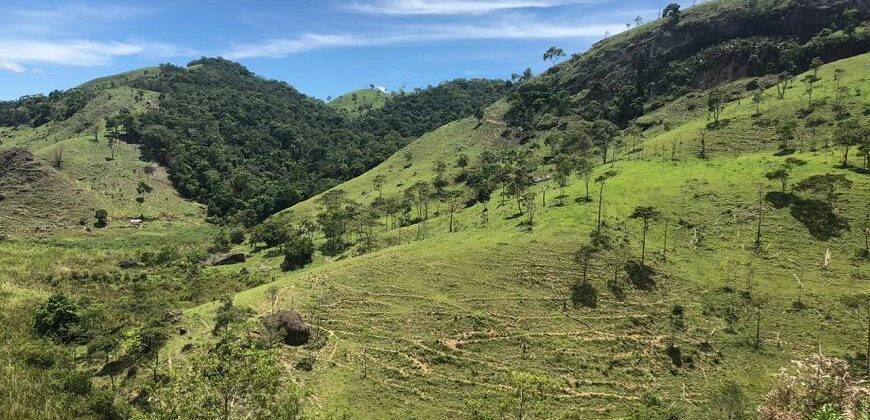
731	42
291	325
226	259
34	197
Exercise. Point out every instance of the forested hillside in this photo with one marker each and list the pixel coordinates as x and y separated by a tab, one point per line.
246	146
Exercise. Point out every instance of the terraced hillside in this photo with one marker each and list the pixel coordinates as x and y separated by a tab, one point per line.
484	313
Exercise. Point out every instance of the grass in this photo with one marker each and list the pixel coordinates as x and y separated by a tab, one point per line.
419	329
92	176
360	101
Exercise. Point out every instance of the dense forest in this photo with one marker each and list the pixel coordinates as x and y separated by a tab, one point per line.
249	147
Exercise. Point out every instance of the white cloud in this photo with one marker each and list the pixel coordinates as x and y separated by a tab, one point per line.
13	67
451	7
15	53
512	29
70	18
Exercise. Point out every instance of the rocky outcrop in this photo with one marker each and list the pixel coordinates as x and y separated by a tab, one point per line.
226	259
291	326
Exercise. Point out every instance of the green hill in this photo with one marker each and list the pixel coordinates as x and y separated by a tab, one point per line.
437	322
360	101
553	247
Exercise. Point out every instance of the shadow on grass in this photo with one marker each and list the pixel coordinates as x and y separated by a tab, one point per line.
641	276
819	218
780	199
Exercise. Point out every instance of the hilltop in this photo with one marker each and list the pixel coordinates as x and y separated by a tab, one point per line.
360	101
243	146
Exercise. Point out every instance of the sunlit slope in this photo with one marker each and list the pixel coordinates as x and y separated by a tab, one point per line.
441	326
107	174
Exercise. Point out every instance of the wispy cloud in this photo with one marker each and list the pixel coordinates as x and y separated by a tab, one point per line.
67	18
280	47
16	54
451	7
13	67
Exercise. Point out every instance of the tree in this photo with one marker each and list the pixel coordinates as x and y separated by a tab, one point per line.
849	133
758	99
462	160
811	79
102	217
782	175
785	132
783	80
298	252
272	232
57	158
826	184
479	115
553	140
228	315
553	53
602	179
528	199
378	183
585	169
562	175
646	214
142	189
716	100
584	256
453	204
232	379
671	12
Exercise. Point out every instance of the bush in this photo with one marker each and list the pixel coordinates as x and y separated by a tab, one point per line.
221	243
58	318
237	236
298	251
40	357
102	217
74	382
271	232
584	295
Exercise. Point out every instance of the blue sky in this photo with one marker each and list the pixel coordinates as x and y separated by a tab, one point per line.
322	47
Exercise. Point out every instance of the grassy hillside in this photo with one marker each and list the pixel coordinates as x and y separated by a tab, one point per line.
90	170
360	101
440	323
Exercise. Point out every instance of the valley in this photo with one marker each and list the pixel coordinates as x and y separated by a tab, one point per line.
582	243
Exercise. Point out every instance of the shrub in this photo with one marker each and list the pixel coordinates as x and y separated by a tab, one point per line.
102	217
298	251
271	232
237	236
58	318
817	382
74	382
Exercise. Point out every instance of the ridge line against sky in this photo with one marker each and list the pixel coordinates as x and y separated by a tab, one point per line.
59	44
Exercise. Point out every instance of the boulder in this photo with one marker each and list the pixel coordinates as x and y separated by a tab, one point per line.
226	259
291	326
